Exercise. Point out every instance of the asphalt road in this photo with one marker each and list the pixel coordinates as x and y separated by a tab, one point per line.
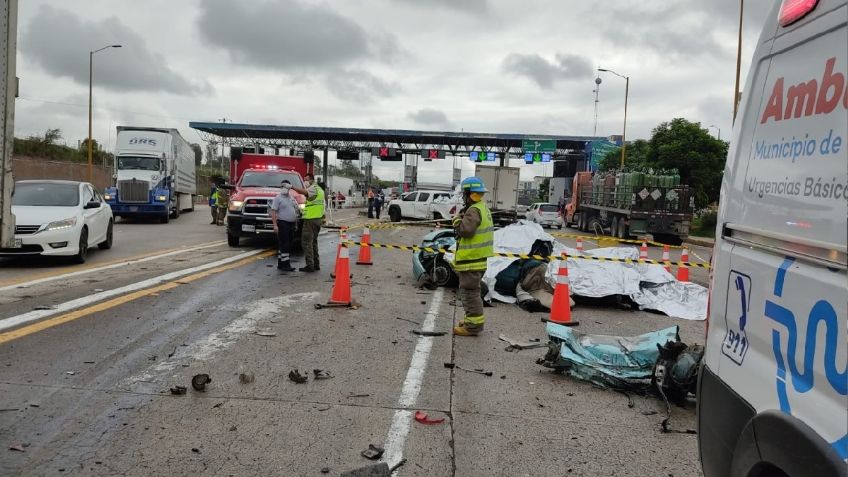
85	386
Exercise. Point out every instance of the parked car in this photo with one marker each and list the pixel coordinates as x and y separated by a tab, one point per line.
59	218
424	204
773	387
544	214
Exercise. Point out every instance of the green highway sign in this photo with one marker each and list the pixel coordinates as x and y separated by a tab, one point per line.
539	145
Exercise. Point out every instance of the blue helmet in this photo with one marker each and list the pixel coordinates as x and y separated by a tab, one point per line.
473	184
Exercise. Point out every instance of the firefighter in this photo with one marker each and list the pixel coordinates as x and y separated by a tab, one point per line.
476	232
222	199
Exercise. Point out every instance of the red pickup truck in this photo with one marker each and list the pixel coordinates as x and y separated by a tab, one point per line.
247	214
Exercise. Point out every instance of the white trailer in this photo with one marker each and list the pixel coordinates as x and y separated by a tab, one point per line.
154	173
503	185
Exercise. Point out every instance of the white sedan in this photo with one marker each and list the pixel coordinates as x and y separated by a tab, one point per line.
61	218
544	214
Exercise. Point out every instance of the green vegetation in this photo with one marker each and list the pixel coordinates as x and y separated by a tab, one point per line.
47	147
704	223
681	146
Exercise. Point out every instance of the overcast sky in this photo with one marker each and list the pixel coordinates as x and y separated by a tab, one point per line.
517	66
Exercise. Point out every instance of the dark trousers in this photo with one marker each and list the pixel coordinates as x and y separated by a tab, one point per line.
309	240
285	237
371	208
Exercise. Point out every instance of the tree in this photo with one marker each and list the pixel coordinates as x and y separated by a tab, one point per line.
52	136
694	152
544	187
635	157
198	154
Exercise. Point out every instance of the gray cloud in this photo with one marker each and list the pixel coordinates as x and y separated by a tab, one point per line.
428	116
283	34
470	6
545	73
58	40
358	86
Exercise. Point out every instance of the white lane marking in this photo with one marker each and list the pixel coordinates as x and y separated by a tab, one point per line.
205	348
107	267
411	386
35	315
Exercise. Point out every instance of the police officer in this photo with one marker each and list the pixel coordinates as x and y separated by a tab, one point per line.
476	232
284	210
313	216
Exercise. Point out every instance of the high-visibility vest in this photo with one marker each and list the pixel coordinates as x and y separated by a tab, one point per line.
472	253
314	209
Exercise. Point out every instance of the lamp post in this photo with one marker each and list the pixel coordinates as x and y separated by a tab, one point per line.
90	82
626	94
719	130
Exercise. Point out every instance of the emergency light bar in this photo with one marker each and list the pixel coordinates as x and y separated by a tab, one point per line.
793	10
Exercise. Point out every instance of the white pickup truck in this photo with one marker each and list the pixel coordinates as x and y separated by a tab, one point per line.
423	204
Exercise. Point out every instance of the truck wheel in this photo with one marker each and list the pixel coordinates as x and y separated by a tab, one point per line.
582	224
621	232
595	224
176	213
165	218
437	216
394	214
614	227
232	240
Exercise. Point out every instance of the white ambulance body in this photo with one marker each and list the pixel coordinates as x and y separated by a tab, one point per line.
773	390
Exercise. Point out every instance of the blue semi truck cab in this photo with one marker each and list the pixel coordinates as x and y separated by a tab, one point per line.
154	174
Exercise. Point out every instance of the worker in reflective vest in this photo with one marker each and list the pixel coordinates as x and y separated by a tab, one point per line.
313	217
476	232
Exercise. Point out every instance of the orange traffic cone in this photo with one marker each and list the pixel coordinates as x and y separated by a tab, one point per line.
580	245
341	287
342	238
643	251
561	305
365	249
666	258
683	270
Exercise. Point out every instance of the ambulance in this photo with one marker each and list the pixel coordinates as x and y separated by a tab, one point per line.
773	388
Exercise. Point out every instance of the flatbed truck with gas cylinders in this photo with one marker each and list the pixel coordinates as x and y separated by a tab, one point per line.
631	204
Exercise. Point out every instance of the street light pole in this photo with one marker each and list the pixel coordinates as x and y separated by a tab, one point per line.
626	95
90	88
719	130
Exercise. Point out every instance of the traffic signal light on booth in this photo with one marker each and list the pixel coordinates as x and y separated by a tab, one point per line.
387	153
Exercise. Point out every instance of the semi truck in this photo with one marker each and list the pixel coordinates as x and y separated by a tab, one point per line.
502	198
155	174
633	203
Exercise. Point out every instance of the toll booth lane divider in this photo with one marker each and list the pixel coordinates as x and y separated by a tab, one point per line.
416	248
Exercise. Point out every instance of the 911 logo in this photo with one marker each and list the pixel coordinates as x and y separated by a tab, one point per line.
143	140
821	313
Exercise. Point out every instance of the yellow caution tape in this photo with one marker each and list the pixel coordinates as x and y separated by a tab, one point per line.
416	248
613	239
